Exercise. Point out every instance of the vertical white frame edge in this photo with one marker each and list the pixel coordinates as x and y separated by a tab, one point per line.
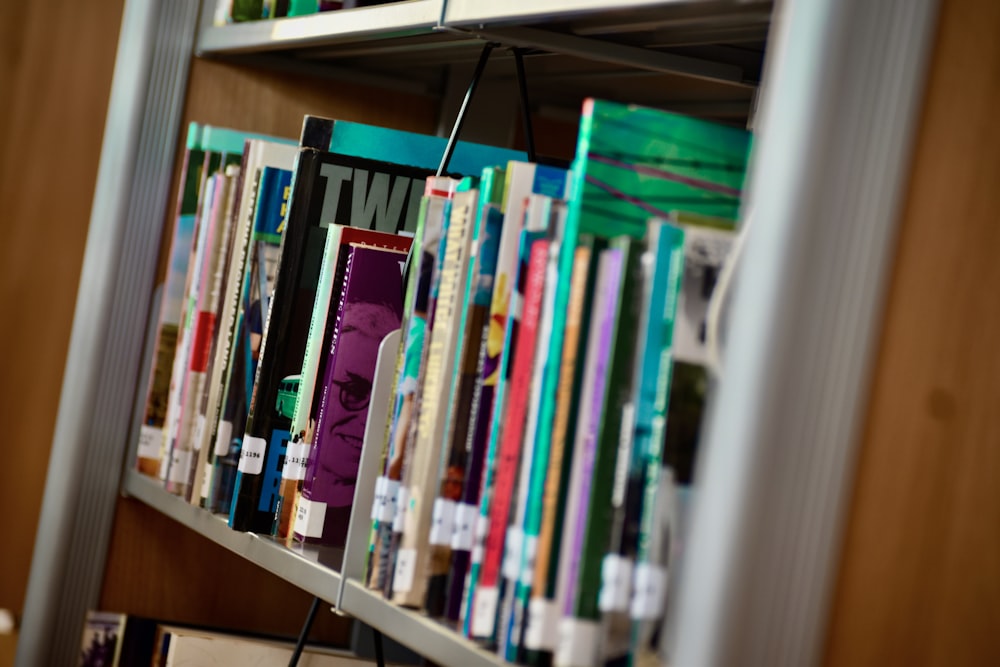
843	88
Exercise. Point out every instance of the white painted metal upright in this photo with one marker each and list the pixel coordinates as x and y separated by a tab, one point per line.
109	325
842	91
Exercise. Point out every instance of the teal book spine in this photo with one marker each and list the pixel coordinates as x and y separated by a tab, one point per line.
521	180
411	384
467	449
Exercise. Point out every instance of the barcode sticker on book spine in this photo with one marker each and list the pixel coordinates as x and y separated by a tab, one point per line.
222	438
379	500
390	508
206	479
512	553
484	611
180	466
463	535
397	521
150	442
252	455
199	432
442	522
482	529
309	518
406	563
578	642
650	589
530	553
296	456
542	633
616	584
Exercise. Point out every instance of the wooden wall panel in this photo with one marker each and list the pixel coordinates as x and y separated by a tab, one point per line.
56	63
920	573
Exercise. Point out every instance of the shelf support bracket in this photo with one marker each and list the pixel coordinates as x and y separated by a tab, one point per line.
456	129
304	634
522	85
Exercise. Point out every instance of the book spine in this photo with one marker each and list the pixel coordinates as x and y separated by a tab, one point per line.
210	409
173	462
309	527
542	214
488	593
542	616
599	341
181	245
592	533
454	452
192	428
293	472
663	266
263	446
410	578
472	394
259	207
384	509
421	325
205	419
258	285
369	307
501	338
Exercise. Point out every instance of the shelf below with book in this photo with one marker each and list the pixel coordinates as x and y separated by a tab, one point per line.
304	568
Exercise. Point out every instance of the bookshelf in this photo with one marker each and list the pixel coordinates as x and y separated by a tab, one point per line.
595	50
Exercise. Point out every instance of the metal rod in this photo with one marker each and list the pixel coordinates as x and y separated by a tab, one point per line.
379	656
460	120
522	85
304	634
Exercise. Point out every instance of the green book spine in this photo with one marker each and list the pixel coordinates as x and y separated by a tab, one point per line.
583	625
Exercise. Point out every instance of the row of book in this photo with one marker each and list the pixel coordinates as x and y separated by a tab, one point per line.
236	11
112	639
549	361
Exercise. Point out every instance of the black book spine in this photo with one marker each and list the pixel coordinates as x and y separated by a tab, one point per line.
253	503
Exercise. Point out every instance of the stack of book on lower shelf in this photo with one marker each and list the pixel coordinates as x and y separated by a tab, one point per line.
545	391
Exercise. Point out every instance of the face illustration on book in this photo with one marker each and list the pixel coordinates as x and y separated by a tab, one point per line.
365	325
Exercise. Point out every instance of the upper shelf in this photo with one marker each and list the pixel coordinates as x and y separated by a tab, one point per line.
702	57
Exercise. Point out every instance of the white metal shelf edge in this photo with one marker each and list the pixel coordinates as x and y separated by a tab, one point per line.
308	575
473	12
421	633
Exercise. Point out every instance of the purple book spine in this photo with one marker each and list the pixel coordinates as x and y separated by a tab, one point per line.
370	306
608	284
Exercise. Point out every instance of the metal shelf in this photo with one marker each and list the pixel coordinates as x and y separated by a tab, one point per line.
432	640
304	568
479	12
